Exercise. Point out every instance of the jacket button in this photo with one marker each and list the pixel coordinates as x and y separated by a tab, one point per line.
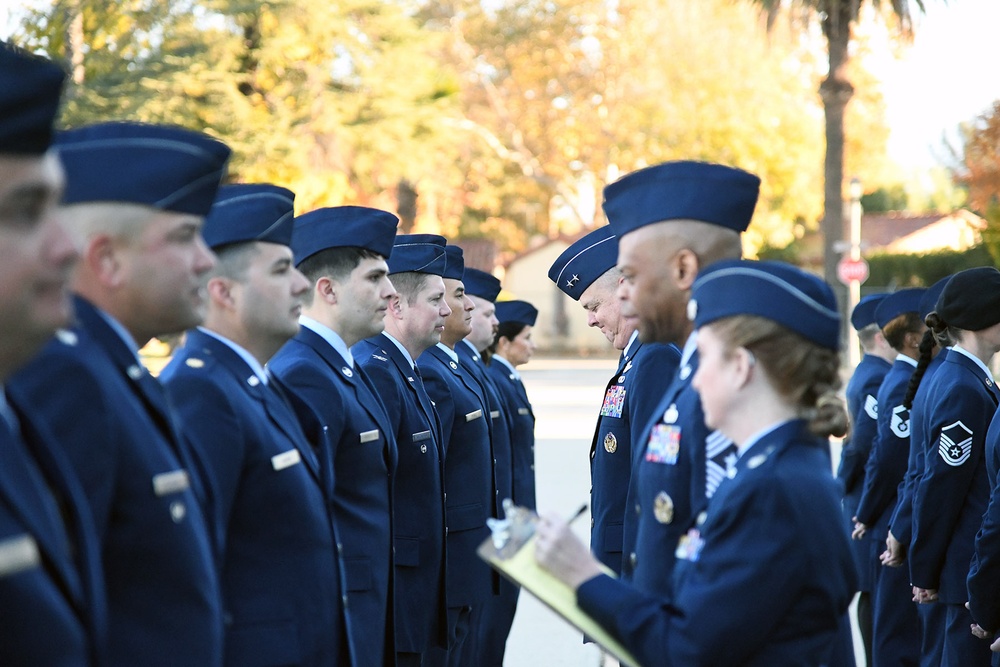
633	560
638	509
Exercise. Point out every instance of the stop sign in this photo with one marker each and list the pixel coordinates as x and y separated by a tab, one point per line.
852	269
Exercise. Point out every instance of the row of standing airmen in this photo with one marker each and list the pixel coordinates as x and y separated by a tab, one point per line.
920	471
307	480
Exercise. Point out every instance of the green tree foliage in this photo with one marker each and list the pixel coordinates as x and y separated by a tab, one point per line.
980	173
897	271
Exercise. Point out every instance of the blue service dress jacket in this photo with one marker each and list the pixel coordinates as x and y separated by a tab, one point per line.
418	496
984	572
468	478
273	494
747	590
681	464
114	423
52	605
522	430
952	495
644	373
363	450
862	406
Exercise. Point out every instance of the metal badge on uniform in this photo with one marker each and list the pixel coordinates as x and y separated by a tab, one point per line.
671	415
178	511
494	414
871	406
174	481
253	380
347	372
453	365
610	443
685	372
663	507
664	444
690	545
369	436
474	415
756	461
523	411
66	337
379	357
421	435
134	371
17	554
423	449
285	459
614	401
955	445
627	367
900	423
194	362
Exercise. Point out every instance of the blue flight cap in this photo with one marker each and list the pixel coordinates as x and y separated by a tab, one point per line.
30	87
166	168
456	262
775	291
971	299
929	301
481	284
420	253
520	312
863	314
585	261
683	190
898	303
250	212
343	227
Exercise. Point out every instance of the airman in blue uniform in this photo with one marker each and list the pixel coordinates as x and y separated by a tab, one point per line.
747	590
492	621
136	196
413	322
862	407
469	481
343	252
952	495
586	272
895	636
692	214
52	606
272	492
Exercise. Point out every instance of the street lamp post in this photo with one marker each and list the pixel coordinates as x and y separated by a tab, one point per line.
854	286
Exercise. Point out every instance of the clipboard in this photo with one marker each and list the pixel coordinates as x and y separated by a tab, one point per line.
510	550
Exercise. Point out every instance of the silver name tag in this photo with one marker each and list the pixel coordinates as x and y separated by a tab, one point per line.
472	416
523	411
18	554
369	436
285	459
174	481
422	435
494	414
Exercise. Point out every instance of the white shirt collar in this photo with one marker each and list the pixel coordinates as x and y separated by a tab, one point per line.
450	352
910	360
627	352
123	333
399	345
690	346
513	371
961	350
475	352
330	336
757	437
250	360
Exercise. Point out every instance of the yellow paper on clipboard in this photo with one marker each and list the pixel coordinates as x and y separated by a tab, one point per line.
513	556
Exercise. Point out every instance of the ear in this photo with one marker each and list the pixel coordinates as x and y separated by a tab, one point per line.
685	268
326	289
396	306
743	366
220	291
102	257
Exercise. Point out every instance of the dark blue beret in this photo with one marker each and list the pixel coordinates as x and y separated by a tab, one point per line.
585	261
520	312
897	303
456	263
775	291
682	190
30	87
166	168
863	314
250	212
481	284
971	299
929	301
421	253
344	227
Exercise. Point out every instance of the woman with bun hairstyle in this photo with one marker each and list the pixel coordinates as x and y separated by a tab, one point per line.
951	496
766	574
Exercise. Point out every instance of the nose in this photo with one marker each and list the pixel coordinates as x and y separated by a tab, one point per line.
59	248
468	304
388	291
592	319
204	258
301	284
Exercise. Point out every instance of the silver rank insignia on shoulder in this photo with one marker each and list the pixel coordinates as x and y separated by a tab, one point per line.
379	357
347	372
756	461
67	337
194	362
670	416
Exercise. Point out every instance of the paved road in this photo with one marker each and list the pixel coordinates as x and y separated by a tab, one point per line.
566	396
